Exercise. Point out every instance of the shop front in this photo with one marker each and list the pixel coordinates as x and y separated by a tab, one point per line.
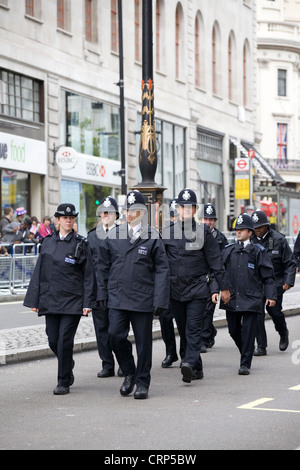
23	165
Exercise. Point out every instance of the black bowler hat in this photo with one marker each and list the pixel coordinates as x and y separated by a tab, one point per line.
66	209
108	204
209	211
259	219
187	196
135	200
244	221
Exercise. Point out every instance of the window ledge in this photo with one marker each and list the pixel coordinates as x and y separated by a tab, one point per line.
4	7
63	31
34	19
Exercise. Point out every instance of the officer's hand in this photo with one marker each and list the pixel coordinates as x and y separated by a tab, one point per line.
158	311
225	296
286	287
86	311
270	302
215	298
34	309
103	305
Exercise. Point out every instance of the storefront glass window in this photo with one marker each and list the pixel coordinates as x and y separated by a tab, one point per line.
86	198
14	190
90	127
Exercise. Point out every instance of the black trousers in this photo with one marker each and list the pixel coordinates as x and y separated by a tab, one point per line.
101	323
168	334
242	328
119	325
278	319
208	330
61	330
189	319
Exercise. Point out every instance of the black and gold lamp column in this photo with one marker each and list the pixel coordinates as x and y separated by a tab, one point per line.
147	152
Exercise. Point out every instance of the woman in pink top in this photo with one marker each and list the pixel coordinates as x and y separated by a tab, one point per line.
44	228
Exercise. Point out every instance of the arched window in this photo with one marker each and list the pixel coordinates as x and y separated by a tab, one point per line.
216	60
246	74
138	30
178	40
160	32
197	52
114	26
230	68
231	64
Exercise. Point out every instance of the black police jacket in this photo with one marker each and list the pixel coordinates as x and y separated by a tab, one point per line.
193	256
133	274
220	238
61	282
251	276
281	256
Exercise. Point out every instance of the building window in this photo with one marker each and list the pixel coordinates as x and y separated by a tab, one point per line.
229	69
61	14
138	30
22	96
245	97
158	34
281	82
281	145
14	190
197	52
114	26
216	59
88	20
178	40
29	7
89	126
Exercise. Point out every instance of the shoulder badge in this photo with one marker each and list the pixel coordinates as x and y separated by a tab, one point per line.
261	248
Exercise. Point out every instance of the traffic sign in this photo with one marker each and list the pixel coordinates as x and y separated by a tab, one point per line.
242	164
251	153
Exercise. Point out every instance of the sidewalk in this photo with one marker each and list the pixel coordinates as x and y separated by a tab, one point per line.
30	343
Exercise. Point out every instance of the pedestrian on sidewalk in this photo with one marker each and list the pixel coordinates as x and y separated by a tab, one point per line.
63	289
281	256
252	279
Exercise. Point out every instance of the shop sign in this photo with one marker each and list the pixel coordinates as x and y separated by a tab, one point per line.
66	157
23	154
94	170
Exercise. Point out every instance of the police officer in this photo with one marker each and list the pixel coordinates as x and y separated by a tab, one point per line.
62	288
209	331
284	265
251	276
133	283
108	214
193	253
166	319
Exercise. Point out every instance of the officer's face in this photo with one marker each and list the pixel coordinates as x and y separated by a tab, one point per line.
66	223
209	222
134	217
187	211
261	231
108	218
243	234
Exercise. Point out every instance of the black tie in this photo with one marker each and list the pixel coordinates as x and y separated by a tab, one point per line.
242	244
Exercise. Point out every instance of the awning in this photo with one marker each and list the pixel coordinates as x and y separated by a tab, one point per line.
261	165
267	168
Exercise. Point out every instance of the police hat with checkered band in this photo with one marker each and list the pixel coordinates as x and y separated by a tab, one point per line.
244	221
187	196
259	219
136	201
209	211
66	209
108	204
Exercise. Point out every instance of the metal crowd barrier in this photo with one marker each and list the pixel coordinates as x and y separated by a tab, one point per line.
16	267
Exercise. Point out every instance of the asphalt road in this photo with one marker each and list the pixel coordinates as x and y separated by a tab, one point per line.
224	411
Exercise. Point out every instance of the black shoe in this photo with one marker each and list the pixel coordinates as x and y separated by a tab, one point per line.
260	352
284	340
141	392
243	370
210	343
127	385
61	390
120	373
106	373
187	372
197	374
168	360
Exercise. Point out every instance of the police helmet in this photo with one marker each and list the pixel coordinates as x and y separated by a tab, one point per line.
187	196
108	204
136	201
259	219
66	209
173	207
244	221
209	211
